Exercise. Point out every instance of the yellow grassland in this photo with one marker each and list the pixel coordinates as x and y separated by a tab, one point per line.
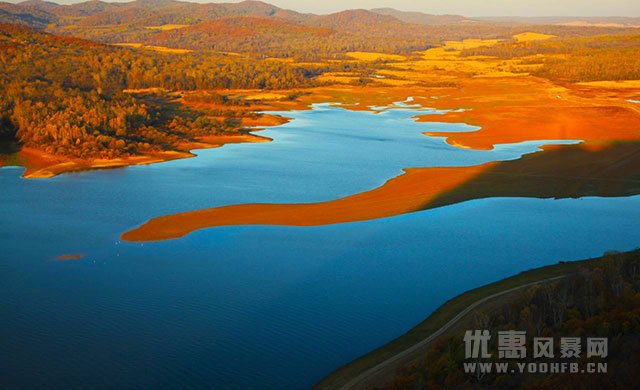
160	49
367	56
265	96
612	84
532	36
167	27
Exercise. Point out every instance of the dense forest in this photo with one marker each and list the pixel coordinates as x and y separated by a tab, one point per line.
65	95
594	65
277	38
561	45
600	301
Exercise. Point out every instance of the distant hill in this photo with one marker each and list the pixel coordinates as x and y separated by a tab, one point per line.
267	30
41	4
40	13
352	20
141	12
422	18
70	13
31	16
242	34
360	21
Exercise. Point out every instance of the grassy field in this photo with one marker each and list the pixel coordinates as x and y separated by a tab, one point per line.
532	36
365	56
445	313
160	49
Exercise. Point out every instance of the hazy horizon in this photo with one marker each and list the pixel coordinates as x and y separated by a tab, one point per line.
469	8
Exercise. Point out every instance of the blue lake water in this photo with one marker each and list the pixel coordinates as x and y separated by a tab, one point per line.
261	306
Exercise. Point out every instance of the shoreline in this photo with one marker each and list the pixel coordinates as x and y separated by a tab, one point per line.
378	367
399	195
555	172
40	165
506	110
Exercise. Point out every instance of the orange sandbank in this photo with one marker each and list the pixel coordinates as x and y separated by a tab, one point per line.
556	172
528	108
402	194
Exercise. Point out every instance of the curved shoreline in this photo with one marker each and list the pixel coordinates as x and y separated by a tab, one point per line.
402	194
380	367
377	366
40	165
505	110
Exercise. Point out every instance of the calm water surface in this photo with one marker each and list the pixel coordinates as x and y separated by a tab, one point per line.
261	307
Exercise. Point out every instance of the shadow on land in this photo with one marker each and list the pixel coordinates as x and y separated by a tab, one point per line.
558	172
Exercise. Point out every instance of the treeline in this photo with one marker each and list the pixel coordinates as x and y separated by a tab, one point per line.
602	301
595	58
262	37
513	49
85	65
328	37
65	95
596	65
300	48
81	124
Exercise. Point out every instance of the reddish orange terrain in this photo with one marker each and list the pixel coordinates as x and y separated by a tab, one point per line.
523	109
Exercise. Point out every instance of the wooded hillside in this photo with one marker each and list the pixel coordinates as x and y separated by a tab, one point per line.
65	95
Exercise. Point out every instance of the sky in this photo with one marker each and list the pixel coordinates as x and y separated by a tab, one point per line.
462	7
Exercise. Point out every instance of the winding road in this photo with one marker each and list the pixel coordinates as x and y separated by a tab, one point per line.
357	381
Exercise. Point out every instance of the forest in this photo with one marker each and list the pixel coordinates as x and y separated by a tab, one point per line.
65	95
594	65
574	59
315	40
65	88
275	38
598	301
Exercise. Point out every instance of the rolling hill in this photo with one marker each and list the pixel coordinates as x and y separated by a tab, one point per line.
243	34
40	13
355	19
26	15
142	12
422	18
266	30
271	37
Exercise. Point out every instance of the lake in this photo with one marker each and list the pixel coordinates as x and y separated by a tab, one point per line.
262	306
